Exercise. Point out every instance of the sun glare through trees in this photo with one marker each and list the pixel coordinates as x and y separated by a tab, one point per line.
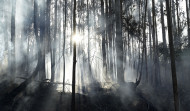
94	55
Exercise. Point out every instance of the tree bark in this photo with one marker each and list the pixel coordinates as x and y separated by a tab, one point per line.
188	26
144	41
172	57
103	36
119	42
64	42
42	41
53	48
163	28
74	59
13	58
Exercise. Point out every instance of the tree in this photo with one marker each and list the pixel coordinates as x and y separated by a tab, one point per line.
155	44
74	59
53	48
144	52
178	39
119	41
110	35
188	24
103	37
13	64
88	25
64	35
163	28
172	56
42	40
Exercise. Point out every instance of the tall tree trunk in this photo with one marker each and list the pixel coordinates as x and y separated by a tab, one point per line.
64	42
71	38
188	24
144	41
47	26
157	62
154	41
74	59
13	57
103	36
119	42
163	29
172	56
88	23
163	36
54	46
110	35
106	36
42	40
178	26
6	39
150	44
174	24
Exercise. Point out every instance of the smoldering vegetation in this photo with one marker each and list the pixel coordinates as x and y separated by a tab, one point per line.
125	67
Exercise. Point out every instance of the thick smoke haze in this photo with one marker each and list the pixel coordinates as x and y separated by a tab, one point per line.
36	61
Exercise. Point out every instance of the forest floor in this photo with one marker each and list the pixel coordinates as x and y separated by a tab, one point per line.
45	97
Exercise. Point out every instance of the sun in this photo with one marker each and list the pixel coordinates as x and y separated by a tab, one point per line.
77	37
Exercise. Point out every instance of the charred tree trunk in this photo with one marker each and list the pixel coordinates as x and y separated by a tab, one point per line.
119	42
144	41
74	60
53	48
71	38
110	35
178	39
64	42
174	24
42	41
103	37
13	58
188	22
88	23
163	29
172	56
150	43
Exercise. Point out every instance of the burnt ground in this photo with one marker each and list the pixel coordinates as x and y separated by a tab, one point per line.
45	97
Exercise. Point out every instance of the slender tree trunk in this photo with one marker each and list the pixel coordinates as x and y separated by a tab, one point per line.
110	34
178	26
157	62
150	44
163	36
88	22
71	39
107	39
172	56
42	40
64	42
174	25
13	63
6	39
103	37
54	46
119	42
154	42
163	28
144	41
47	26
74	59
188	24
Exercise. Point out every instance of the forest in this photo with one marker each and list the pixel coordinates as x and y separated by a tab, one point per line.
94	55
